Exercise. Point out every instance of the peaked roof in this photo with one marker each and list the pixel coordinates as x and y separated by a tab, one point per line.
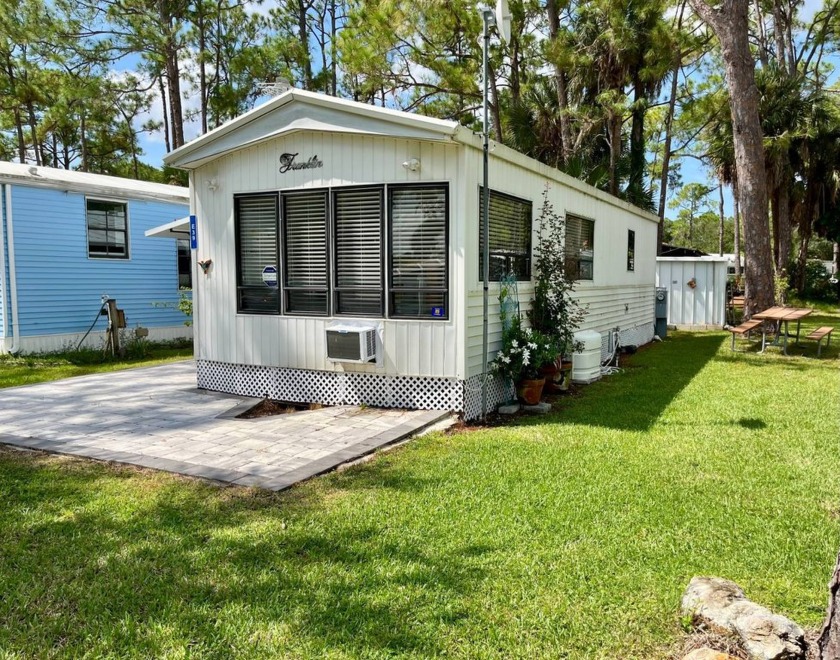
299	110
102	184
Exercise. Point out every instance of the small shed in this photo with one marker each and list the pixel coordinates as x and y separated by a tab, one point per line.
341	254
696	290
69	238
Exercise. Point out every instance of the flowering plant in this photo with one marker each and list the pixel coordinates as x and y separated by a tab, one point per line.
524	351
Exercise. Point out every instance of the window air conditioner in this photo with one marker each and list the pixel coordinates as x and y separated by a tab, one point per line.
349	343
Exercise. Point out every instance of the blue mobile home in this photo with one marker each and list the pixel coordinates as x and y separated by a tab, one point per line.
69	238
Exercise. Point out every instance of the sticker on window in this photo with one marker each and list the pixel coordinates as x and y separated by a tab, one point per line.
438	312
269	276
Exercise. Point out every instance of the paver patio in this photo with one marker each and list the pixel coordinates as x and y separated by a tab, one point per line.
155	417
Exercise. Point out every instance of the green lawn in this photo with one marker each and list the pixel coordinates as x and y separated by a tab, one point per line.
570	536
27	369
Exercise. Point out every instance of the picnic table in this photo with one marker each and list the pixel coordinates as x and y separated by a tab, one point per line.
779	316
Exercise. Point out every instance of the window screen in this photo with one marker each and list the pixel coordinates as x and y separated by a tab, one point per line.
184	264
305	284
358	279
631	250
579	247
107	229
510	237
256	246
419	271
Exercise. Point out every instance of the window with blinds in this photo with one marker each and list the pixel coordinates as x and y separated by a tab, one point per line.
357	238
419	264
107	229
256	249
510	236
305	281
631	249
579	247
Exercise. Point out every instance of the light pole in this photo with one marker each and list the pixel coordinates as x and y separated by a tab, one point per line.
501	19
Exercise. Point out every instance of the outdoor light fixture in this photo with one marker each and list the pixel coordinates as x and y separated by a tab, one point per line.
501	19
412	165
212	184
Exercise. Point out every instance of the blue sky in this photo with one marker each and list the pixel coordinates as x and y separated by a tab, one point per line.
154	147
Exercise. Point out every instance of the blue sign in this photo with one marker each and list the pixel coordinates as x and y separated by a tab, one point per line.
193	233
438	312
269	276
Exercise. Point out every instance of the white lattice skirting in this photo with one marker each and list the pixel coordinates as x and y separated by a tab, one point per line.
337	388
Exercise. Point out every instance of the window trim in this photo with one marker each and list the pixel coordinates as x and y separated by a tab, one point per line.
530	256
178	263
110	200
587	219
386	243
382	188
631	250
238	245
388	289
281	239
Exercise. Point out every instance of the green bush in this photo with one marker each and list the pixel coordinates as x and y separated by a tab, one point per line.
817	282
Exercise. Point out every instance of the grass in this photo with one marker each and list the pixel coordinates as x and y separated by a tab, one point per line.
38	368
568	536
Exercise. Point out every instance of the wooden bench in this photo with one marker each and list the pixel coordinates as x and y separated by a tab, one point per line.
819	334
745	328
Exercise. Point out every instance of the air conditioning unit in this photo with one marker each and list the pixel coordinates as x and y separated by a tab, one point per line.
351	343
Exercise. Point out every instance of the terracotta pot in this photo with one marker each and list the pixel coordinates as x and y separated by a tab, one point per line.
530	390
552	378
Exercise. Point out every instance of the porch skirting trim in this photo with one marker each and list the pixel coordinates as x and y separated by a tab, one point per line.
341	388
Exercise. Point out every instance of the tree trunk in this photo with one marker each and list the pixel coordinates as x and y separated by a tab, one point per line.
636	177
722	220
303	37
737	247
762	35
165	113
729	22
784	227
333	62
614	122
828	642
553	10
666	153
173	74
202	66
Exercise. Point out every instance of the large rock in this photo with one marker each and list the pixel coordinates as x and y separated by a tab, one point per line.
722	605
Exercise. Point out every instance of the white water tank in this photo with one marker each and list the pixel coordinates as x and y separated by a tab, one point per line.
586	363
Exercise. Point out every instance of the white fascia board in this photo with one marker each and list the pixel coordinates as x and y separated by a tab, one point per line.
179	228
90	184
310	112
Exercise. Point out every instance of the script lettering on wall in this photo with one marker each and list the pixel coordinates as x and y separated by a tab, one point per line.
287	162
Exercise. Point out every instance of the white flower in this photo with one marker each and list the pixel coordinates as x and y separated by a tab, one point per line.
528	332
506	359
514	343
526	357
500	355
532	345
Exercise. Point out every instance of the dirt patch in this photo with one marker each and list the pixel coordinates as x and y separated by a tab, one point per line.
270	407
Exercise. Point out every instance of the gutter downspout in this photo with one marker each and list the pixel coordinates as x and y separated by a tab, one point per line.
4	312
10	238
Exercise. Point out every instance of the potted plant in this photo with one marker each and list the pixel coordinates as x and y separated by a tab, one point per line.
554	312
524	352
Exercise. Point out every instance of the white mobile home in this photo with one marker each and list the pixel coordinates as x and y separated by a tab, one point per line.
337	232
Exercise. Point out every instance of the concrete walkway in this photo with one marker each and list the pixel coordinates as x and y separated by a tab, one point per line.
156	418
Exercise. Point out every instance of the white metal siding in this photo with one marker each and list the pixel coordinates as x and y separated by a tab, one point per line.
703	305
423	348
615	297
